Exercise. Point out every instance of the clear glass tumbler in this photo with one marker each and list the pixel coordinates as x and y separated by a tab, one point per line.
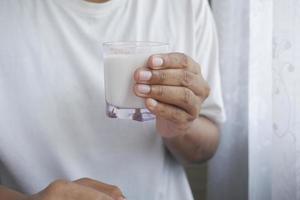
121	59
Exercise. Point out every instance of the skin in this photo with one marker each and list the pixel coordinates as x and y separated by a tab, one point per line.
174	89
82	189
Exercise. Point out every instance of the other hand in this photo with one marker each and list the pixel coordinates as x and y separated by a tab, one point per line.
82	189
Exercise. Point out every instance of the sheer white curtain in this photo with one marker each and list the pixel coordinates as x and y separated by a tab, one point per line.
286	100
260	62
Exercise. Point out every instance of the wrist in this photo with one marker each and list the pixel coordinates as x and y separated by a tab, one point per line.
187	145
180	130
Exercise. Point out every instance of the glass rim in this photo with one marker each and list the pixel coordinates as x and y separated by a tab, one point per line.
138	44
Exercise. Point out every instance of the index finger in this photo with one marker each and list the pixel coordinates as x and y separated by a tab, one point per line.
74	191
110	190
83	192
173	61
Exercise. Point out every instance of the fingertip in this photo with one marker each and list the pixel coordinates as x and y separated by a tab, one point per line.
156	61
136	75
151	104
135	89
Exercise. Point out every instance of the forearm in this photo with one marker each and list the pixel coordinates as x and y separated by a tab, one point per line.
9	194
198	143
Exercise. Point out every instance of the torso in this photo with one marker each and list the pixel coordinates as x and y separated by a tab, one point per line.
52	105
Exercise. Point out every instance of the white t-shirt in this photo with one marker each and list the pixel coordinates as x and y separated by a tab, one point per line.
52	106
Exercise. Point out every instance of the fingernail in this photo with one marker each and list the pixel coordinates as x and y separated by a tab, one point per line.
121	198
157	61
152	103
145	75
144	89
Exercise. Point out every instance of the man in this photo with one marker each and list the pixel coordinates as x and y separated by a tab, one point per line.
53	128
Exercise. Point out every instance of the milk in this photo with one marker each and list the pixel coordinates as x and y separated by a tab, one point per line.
119	81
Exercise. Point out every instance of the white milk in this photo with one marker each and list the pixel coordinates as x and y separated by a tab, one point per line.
119	81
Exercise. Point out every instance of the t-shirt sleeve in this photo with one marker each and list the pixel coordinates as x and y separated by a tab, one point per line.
207	54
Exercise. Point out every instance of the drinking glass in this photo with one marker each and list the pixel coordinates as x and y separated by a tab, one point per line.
121	59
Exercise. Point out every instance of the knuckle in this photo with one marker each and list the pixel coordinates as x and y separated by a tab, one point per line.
183	124
187	78
162	76
184	59
115	191
187	96
57	186
206	91
176	116
181	119
194	113
196	109
162	111
193	116
190	118
84	180
179	58
159	91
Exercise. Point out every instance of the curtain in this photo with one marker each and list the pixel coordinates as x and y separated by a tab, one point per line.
258	158
286	100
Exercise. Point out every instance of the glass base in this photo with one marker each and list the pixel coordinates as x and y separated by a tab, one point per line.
137	114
